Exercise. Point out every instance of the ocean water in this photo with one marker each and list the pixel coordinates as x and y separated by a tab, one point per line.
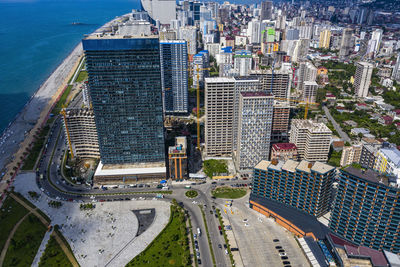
35	37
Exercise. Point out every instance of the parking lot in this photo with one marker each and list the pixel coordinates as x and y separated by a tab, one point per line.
261	241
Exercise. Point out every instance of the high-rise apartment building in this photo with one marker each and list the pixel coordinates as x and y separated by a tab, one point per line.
346	44
351	154
254	31
200	67
312	139
219	95
368	156
325	39
302	185
126	93
242	62
242	84
280	122
362	78
174	75
396	69
266	10
254	128
374	43
189	34
277	82
366	210
80	129
161	10
307	72
388	161
310	91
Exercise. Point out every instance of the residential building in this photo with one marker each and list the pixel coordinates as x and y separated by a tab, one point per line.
266	10
280	122
242	62
368	156
200	67
346	44
277	82
80	130
189	34
254	128
219	110
178	162
161	10
351	154
362	78
174	75
254	31
388	161
325	39
366	210
130	132
310	91
374	43
303	185
396	69
284	152
312	139
307	72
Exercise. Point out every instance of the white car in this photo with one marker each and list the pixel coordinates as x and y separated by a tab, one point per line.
226	251
282	254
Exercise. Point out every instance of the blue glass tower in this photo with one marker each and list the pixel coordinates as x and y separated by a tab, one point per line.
125	88
174	75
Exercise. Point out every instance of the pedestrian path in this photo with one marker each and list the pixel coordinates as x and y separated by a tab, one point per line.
41	249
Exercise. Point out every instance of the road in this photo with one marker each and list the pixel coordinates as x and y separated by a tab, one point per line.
337	127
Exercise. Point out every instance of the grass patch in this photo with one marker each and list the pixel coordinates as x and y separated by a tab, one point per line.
214	167
30	160
83	75
191	193
62	100
228	192
221	223
170	247
25	243
54	255
208	235
10	213
20	196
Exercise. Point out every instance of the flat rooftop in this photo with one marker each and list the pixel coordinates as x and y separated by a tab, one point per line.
134	169
371	176
293	166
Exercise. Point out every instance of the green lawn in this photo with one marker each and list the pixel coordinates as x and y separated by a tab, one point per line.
25	243
54	255
82	76
214	167
56	110
171	247
10	213
30	160
228	192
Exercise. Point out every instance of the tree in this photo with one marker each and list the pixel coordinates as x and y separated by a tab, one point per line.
213	167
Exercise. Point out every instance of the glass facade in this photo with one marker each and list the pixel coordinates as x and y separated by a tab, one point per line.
366	212
174	75
125	88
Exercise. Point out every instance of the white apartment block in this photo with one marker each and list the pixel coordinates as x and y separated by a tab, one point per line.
312	140
362	78
310	91
219	95
254	128
351	154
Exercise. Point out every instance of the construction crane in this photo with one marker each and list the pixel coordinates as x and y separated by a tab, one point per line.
307	103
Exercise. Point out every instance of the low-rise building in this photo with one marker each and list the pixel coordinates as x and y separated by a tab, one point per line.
388	161
177	157
284	152
351	154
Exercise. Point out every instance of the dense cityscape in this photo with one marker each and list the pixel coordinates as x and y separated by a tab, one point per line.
214	134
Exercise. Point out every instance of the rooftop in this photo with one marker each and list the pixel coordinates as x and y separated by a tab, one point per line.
314	127
370	175
392	153
293	166
130	169
284	146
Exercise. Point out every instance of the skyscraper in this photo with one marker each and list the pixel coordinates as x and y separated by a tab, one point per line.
125	88
174	75
219	94
307	73
375	42
362	78
200	65
162	10
312	139
266	10
396	69
346	44
254	128
280	122
310	91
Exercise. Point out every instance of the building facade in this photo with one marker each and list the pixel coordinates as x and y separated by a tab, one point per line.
346	44
219	102
362	78
284	152
388	161
178	161
254	128
351	154
366	210
312	139
121	71
301	185
174	76
280	122
80	129
242	61
310	91
325	39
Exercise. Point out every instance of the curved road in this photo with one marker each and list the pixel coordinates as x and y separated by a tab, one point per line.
342	134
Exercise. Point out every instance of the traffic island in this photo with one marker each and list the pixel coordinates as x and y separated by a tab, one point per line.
228	192
191	194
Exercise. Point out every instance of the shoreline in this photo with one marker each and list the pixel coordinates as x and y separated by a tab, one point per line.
17	137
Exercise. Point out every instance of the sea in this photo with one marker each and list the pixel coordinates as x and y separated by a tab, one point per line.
36	36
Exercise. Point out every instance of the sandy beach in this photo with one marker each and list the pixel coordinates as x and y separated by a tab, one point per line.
19	134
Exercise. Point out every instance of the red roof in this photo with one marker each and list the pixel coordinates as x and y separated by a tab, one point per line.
397	111
284	146
361	104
